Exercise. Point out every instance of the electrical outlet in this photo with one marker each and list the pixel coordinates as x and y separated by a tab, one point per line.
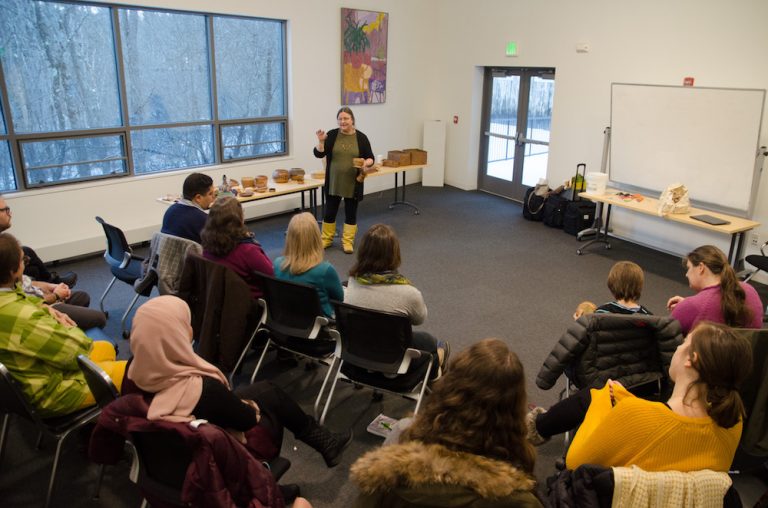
754	239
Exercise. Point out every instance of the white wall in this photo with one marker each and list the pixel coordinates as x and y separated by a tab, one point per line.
59	222
437	49
721	44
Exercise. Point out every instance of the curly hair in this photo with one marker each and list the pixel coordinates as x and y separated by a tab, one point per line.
723	360
733	299
224	228
479	406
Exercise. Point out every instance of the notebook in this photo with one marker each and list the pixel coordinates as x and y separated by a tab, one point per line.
709	219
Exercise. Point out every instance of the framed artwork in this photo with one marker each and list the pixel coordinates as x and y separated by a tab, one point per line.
363	56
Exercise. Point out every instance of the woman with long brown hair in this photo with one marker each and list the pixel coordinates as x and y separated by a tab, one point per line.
720	296
468	441
698	427
226	240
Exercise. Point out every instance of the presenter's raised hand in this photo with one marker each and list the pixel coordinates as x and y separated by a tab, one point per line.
321	135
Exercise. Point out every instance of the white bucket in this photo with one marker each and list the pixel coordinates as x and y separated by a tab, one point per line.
597	182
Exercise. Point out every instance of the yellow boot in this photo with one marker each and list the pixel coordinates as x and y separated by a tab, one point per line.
348	238
327	234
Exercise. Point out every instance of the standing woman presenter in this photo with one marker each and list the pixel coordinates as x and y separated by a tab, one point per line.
341	147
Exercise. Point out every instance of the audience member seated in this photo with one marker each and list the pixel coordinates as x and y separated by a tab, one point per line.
699	427
72	303
186	217
466	447
376	284
226	240
302	261
186	387
625	281
720	296
39	345
34	268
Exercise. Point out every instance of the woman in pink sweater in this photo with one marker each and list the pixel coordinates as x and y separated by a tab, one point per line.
226	240
720	296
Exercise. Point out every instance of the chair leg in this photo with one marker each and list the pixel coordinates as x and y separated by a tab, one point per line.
56	456
261	359
104	294
128	311
242	357
322	388
39	443
4	434
98	482
330	393
424	383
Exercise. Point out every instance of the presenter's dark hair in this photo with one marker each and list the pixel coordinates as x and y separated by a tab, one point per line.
348	111
379	251
196	183
733	299
10	257
625	281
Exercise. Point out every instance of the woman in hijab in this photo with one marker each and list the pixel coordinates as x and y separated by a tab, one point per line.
186	387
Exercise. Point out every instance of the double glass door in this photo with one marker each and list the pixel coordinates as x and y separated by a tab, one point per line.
517	115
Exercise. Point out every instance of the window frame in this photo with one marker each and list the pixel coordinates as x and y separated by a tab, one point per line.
126	129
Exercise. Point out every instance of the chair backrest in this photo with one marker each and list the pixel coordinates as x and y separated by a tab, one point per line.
99	382
223	311
293	309
754	394
167	254
13	400
118	251
372	339
634	349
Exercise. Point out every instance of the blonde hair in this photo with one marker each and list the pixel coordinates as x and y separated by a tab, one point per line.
303	247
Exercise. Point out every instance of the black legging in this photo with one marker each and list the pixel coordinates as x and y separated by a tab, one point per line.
332	209
565	415
278	409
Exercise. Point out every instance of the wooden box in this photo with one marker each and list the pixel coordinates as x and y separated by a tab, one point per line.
388	163
402	158
418	156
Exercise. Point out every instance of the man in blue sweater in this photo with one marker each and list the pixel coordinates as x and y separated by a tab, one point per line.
186	218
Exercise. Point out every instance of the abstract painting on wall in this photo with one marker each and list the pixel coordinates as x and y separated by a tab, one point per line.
364	56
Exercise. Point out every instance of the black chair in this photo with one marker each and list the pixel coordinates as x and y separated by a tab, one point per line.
294	321
125	266
373	349
103	390
13	401
760	262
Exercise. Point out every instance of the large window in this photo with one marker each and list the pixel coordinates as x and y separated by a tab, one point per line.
96	91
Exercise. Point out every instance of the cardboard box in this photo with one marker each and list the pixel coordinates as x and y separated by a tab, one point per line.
402	158
418	156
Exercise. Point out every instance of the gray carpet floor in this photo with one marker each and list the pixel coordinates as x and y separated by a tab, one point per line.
484	272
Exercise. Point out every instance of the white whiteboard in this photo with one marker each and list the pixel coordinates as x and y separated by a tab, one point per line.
705	138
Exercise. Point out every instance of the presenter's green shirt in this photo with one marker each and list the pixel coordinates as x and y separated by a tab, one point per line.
342	172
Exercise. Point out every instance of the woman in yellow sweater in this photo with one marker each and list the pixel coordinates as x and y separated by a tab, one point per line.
699	427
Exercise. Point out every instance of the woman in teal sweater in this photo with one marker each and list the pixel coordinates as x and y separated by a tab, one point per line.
302	261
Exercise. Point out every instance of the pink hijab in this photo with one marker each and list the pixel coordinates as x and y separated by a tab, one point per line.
164	362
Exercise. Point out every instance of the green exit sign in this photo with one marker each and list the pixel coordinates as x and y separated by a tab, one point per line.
511	49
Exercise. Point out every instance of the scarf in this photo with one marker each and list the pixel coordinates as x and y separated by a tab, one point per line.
368	279
164	362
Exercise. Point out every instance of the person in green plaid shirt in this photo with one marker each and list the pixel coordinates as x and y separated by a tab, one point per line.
39	345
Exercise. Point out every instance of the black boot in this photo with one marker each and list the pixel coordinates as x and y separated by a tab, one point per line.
328	444
290	492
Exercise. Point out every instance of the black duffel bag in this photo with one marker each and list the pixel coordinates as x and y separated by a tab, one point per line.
554	210
579	215
533	205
